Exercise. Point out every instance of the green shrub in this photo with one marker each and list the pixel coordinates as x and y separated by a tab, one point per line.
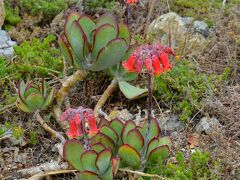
195	168
35	59
185	88
12	16
108	5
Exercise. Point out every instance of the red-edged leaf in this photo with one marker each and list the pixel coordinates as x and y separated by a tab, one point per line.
152	145
98	147
88	25
117	125
108	18
72	151
129	125
124	32
129	156
110	132
103	139
88	175
65	49
110	55
88	160
102	36
69	20
103	161
159	154
135	139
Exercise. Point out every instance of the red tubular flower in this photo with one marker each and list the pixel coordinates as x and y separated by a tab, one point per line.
131	1
92	124
165	61
129	65
75	127
157	69
154	57
73	116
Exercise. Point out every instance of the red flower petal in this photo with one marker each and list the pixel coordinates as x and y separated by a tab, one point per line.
74	129
157	69
165	61
148	64
92	123
129	64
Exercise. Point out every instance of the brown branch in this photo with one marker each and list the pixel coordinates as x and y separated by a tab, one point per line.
49	129
107	93
155	176
63	93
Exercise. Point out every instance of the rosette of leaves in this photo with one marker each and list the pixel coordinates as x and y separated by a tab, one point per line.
95	163
128	141
33	96
93	45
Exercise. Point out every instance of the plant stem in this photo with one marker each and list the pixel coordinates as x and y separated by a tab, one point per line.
107	93
48	128
85	136
149	113
63	93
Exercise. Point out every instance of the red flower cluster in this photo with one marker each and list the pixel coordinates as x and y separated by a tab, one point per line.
73	116
131	1
154	57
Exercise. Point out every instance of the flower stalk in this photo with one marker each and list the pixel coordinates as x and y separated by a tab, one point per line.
107	93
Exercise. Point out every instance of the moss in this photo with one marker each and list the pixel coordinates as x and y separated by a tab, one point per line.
184	88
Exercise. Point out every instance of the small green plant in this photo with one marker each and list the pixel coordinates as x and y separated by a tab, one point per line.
33	137
109	5
33	96
185	88
12	15
48	9
197	167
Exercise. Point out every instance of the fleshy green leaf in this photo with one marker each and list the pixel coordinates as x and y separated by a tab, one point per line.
21	90
72	151
103	161
152	145
77	39
103	35
110	132
108	18
117	125
154	129
65	50
165	141
108	175
69	20
129	125
103	139
23	107
48	100
159	154
110	55
35	101
129	156
88	175
88	160
135	139
130	91
98	147
88	25
124	32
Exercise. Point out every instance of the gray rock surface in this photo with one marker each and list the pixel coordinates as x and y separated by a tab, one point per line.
208	125
180	33
171	123
6	45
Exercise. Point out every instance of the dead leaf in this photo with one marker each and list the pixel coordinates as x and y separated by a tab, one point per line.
193	139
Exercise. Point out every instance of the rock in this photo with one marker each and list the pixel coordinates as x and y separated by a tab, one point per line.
6	45
208	125
179	32
201	27
2	13
171	123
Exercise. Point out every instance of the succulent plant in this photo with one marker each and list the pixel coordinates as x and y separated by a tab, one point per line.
128	140
33	96
95	163
93	45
